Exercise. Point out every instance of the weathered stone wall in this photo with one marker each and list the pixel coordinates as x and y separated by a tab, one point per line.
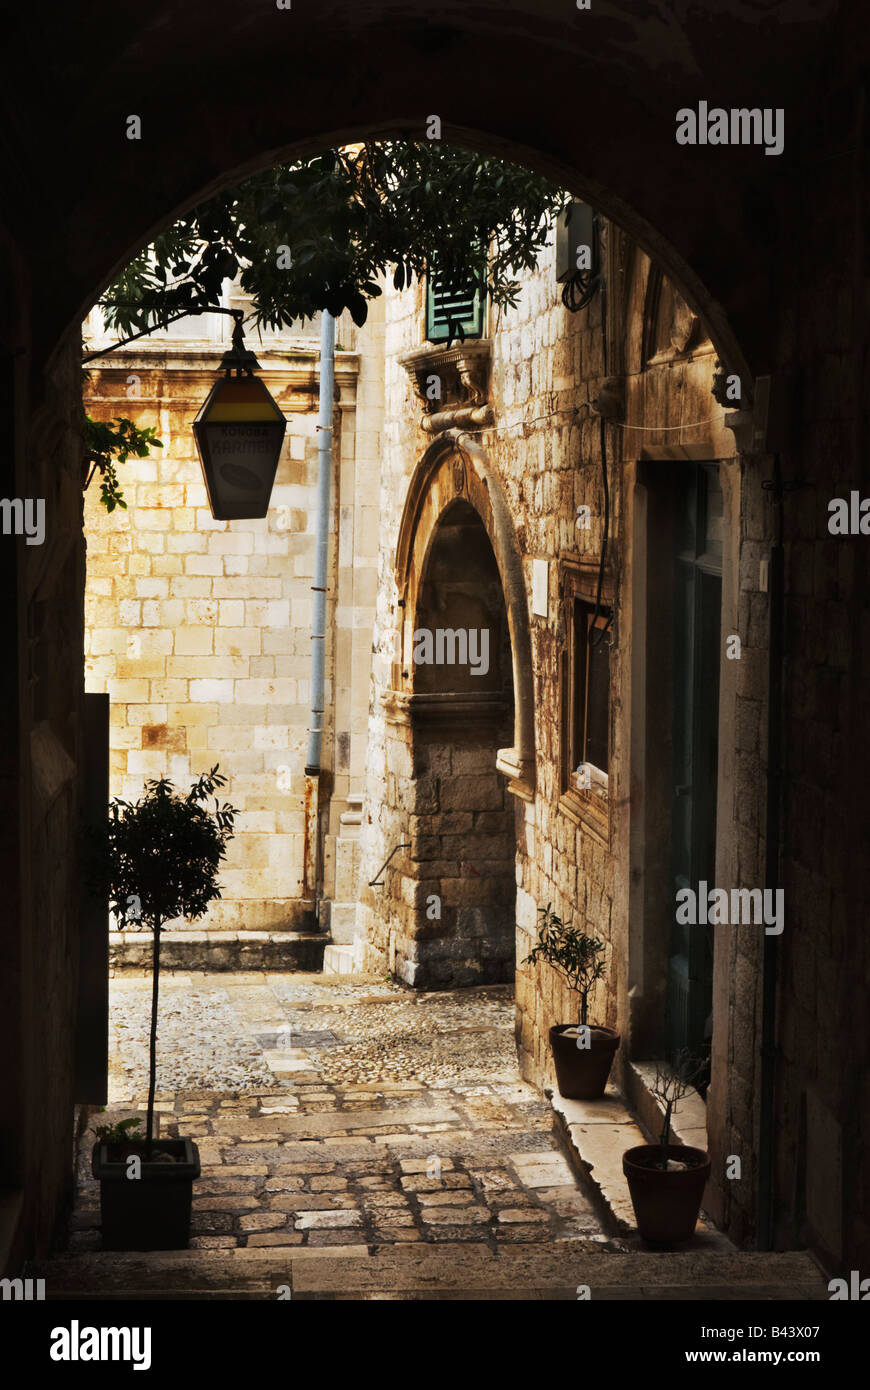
609	875
822	1131
200	630
41	770
544	450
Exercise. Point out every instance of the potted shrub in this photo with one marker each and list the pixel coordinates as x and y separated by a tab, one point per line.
666	1180
157	860
583	1054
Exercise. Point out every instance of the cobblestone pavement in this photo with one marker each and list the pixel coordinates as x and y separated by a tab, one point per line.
246	1032
343	1114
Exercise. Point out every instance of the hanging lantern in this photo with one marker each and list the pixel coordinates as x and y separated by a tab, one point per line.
239	432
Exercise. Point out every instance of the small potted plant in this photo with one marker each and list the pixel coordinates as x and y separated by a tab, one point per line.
156	860
666	1180
583	1054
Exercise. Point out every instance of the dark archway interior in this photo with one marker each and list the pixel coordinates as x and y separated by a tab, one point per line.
463	714
462	591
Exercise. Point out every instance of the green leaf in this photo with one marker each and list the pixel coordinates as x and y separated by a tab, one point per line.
349	219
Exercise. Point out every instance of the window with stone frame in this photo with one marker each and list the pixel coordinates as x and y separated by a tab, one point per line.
585	699
454	312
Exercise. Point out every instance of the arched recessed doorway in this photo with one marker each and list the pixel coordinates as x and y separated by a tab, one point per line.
458	730
462	715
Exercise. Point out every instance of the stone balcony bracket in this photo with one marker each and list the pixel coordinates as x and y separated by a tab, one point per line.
520	770
462	370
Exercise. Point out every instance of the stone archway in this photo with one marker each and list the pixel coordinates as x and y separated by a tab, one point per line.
455	469
459	722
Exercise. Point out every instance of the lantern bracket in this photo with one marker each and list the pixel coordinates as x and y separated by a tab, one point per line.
238	358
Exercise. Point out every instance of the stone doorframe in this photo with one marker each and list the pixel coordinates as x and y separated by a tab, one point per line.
454	468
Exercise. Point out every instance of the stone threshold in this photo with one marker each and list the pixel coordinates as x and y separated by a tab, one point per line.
433	1271
596	1133
220	950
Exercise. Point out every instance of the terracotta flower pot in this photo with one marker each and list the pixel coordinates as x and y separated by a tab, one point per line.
582	1072
666	1201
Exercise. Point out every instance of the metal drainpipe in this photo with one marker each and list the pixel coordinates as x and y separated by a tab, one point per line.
770	960
318	613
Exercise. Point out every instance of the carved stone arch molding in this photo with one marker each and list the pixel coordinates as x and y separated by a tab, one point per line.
455	468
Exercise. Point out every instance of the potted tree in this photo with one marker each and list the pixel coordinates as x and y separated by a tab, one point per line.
666	1180
156	860
583	1054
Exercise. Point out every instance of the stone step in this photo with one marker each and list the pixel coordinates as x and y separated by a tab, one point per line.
220	950
423	1271
596	1134
339	959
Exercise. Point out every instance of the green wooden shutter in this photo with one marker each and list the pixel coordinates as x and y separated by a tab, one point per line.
452	313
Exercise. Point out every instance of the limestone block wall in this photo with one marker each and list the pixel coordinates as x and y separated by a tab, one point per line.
384	920
548	366
43	781
822	1138
200	630
544	447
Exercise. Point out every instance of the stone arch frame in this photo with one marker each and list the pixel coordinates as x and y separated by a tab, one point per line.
455	468
647	458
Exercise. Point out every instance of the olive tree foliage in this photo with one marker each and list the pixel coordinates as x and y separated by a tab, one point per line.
317	234
671	1084
164	850
576	956
156	859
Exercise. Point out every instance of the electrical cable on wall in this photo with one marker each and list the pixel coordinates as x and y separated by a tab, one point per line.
602	632
580	288
596	636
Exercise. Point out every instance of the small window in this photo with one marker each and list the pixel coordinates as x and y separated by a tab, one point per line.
586	650
590	688
451	311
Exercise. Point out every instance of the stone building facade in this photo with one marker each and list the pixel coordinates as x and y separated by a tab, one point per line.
200	630
478	781
465	767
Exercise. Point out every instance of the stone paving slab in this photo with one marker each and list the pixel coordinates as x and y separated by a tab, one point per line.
449	1166
321	1124
439	1271
794	1275
301	1179
597	1133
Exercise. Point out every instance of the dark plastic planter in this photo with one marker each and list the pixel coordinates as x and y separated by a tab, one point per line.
581	1073
666	1202
151	1212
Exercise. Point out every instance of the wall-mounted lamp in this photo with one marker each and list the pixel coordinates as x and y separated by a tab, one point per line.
239	432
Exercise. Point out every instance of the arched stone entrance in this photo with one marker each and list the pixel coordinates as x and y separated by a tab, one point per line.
733	229
459	722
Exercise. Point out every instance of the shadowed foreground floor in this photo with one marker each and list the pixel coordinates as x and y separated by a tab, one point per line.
359	1141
